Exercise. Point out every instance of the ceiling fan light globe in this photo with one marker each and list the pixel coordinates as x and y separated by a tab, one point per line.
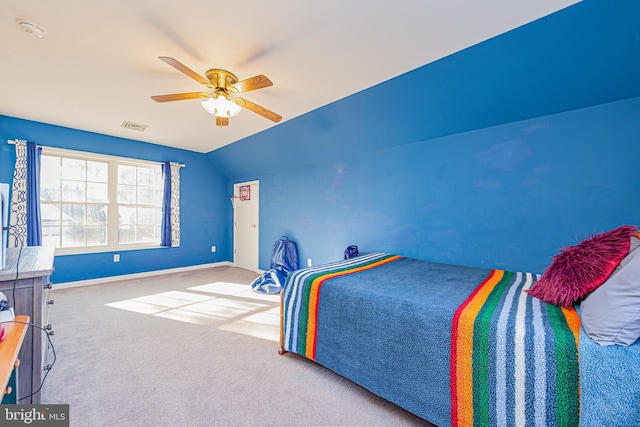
209	105
233	109
221	106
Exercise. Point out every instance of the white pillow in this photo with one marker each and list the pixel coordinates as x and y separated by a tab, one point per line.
611	313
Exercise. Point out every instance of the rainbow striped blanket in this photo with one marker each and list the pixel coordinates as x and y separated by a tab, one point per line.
455	345
302	314
514	358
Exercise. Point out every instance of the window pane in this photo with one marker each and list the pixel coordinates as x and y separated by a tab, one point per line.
51	236
73	191
126	175
146	215
97	171
126	235
145	176
50	190
97	215
96	236
73	236
158	194
146	233
74	169
158	217
50	214
156	182
145	195
73	214
97	192
49	169
126	215
127	194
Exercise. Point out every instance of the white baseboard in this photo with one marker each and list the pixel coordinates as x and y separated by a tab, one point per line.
138	275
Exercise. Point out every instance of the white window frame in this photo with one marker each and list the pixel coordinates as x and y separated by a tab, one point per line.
112	222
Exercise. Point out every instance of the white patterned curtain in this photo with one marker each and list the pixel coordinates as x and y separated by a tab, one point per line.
175	204
18	215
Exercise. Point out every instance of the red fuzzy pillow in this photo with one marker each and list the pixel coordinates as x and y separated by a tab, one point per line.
578	270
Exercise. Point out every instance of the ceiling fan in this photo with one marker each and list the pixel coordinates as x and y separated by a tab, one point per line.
218	100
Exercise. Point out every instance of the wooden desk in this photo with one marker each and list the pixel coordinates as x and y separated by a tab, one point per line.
9	348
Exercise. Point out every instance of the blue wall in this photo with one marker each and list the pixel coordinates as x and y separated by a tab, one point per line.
496	156
502	197
204	210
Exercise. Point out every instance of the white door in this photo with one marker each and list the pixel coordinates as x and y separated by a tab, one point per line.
245	225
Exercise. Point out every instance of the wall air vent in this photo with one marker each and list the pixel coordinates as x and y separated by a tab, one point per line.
134	126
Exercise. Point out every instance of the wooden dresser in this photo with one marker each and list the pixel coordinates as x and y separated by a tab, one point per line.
26	275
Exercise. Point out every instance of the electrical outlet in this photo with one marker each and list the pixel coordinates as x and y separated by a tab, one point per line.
116	257
309	262
213	248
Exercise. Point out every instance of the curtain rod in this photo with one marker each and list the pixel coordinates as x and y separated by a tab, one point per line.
13	142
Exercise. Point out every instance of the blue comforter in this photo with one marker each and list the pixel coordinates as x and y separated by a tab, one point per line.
385	322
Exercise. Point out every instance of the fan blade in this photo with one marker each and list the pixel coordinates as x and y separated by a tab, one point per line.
222	121
186	70
258	109
179	96
253	83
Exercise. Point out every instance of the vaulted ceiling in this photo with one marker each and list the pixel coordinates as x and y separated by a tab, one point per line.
97	65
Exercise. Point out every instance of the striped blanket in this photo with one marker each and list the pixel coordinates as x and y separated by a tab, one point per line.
301	332
455	345
514	359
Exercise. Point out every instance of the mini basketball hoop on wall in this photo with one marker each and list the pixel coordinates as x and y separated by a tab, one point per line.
245	194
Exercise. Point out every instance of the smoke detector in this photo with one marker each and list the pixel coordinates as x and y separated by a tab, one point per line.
34	30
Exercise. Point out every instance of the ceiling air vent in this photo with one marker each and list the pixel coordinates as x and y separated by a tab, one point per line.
31	28
133	126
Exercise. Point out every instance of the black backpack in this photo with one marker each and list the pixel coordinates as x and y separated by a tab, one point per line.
351	251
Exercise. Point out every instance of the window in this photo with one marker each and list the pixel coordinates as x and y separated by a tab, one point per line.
92	202
139	204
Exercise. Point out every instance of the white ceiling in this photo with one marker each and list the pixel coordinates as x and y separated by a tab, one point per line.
98	64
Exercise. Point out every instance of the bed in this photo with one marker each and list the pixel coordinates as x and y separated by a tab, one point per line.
458	345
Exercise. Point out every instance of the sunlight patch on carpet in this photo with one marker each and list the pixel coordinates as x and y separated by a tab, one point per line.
220	288
264	319
138	307
215	310
234	303
185	296
231	307
162	301
185	316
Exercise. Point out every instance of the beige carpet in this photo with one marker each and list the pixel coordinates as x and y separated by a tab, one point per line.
193	349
